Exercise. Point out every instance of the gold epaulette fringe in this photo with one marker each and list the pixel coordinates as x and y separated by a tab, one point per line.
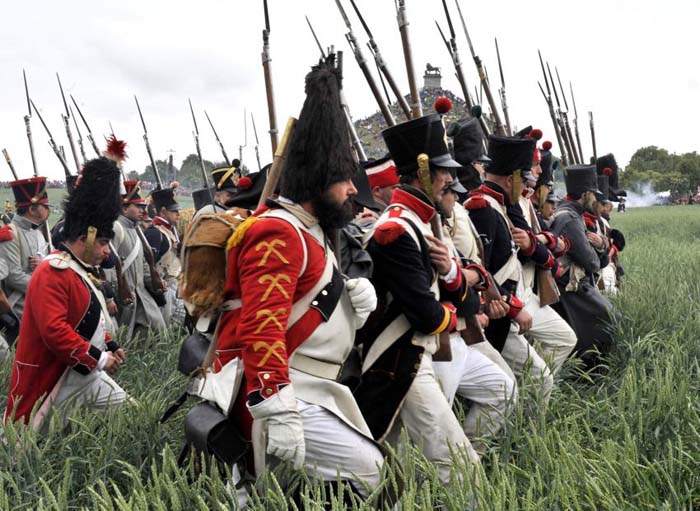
240	231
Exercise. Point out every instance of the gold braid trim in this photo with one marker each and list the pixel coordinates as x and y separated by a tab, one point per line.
240	231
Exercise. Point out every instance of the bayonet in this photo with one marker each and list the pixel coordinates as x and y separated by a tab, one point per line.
402	19
52	142
245	140
560	121
218	140
356	142
9	163
81	144
500	129
381	80
502	90
255	132
576	131
382	67
159	183
595	149
111	129
205	179
267	71
565	119
66	124
313	33
87	126
362	62
28	124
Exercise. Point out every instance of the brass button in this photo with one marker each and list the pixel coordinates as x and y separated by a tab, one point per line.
268	391
266	376
417	366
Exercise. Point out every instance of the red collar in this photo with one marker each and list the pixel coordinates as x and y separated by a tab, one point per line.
590	219
424	211
162	221
492	193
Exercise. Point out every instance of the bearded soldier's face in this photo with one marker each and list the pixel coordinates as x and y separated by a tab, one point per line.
333	208
589	202
441	181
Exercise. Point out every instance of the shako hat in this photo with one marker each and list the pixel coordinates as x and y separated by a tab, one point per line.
250	189
380	172
607	166
132	195
546	164
603	188
29	192
424	135
580	179
201	197
165	198
510	154
467	141
319	152
94	204
226	178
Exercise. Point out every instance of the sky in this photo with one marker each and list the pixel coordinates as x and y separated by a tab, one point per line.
631	62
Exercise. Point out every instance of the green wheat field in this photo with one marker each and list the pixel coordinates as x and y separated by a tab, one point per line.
628	440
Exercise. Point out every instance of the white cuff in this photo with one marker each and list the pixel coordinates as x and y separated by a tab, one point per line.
452	274
103	361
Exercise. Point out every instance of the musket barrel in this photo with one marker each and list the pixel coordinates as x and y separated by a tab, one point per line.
28	125
595	150
269	91
9	163
416	106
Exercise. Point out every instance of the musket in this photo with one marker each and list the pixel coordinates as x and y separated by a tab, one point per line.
555	124
66	123
195	133
595	149
500	129
245	140
218	140
362	62
52	142
576	132
356	142
81	145
87	126
313	33
9	163
267	71
502	90
562	127
255	132
159	183
28	125
381	64
402	19
111	129
565	118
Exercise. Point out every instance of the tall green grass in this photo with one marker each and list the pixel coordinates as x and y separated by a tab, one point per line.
628	440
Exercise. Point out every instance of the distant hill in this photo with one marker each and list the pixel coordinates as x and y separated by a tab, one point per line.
369	129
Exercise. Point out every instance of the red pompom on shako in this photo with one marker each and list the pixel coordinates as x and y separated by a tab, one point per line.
546	145
245	183
607	171
442	105
535	134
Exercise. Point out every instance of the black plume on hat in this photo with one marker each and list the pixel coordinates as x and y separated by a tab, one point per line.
95	200
319	152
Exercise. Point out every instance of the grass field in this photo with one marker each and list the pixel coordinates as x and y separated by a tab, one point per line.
629	440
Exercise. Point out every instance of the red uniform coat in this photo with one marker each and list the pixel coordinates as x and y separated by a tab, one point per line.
57	301
263	271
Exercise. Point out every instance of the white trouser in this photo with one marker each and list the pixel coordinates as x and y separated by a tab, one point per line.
526	363
475	377
430	423
552	336
487	349
609	276
336	451
97	390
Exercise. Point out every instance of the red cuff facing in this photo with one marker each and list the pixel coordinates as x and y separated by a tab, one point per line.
483	285
551	240
533	244
455	284
515	306
449	322
567	246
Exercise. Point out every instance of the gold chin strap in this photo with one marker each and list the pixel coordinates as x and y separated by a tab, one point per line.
90	243
542	197
517	187
226	175
424	174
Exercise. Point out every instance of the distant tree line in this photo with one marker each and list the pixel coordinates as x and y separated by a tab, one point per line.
678	173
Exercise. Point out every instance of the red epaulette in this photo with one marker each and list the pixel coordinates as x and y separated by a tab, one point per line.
476	201
6	234
388	232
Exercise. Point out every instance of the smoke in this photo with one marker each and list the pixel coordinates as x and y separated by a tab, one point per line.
645	195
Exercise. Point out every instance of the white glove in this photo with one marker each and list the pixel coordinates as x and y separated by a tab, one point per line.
363	298
285	433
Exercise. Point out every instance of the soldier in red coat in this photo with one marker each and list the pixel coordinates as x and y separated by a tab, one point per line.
64	351
292	315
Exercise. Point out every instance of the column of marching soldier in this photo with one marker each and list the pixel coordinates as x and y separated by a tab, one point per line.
456	273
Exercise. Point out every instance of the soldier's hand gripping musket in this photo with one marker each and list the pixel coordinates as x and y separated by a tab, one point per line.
402	19
267	71
362	62
218	140
89	136
66	123
195	133
159	183
500	128
382	65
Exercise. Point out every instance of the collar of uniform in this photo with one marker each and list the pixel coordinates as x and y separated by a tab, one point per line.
87	267
24	223
493	190
159	220
572	204
414	199
126	222
295	209
527	192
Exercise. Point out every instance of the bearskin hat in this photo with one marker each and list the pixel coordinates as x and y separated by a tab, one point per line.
546	164
467	140
319	152
95	200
